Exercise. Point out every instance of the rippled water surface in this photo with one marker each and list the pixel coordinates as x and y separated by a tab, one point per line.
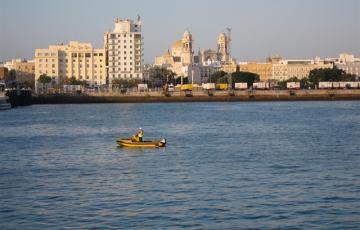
280	165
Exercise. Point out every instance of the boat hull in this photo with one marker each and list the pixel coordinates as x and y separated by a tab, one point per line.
142	144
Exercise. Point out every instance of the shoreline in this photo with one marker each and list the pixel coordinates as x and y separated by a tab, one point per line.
201	96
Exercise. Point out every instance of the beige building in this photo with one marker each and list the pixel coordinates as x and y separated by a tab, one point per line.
78	60
25	72
286	69
301	68
264	70
349	63
124	50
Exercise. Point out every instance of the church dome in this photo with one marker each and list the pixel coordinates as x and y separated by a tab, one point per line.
177	44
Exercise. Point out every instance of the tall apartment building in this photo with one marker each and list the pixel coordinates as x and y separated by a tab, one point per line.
78	60
124	50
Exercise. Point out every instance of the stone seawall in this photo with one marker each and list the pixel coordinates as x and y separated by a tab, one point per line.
201	96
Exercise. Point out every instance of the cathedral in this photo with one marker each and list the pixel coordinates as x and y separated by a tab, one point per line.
181	59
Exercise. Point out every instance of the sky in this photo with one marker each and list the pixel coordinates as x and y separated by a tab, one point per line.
294	29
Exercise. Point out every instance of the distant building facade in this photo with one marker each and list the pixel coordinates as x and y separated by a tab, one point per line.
349	63
301	68
277	69
21	71
124	50
264	70
25	72
76	60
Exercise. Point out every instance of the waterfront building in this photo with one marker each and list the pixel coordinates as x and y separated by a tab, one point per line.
76	60
124	50
10	65
25	72
21	71
280	71
283	70
349	63
301	68
264	70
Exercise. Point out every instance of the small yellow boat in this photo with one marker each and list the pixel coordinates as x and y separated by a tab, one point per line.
143	144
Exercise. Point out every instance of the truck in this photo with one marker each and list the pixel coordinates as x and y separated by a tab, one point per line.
241	85
349	84
171	88
72	88
336	85
208	86
186	87
142	87
325	85
222	86
261	85
293	85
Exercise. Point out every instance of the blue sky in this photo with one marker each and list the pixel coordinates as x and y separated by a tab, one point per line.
291	28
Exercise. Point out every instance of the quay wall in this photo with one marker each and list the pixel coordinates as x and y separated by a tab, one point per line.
200	96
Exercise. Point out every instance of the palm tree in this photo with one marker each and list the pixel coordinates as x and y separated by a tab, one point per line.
44	79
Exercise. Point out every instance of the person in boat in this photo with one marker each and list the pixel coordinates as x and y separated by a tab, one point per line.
138	137
140	134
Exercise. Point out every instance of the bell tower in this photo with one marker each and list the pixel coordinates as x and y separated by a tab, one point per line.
187	51
223	49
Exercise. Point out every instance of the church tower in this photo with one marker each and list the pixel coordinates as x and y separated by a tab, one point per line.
223	48
187	52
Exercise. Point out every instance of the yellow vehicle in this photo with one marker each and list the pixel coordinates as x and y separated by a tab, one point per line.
222	86
186	87
127	142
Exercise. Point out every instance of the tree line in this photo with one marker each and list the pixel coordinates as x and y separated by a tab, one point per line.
159	76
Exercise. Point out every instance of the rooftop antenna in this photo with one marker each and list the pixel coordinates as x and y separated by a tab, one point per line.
229	40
